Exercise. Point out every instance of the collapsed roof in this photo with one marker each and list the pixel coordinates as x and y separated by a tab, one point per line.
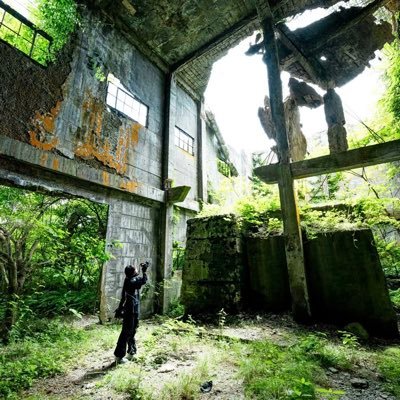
188	36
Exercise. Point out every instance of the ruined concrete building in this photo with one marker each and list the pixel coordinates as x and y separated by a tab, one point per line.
119	118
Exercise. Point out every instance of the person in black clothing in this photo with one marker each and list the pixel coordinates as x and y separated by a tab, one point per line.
129	307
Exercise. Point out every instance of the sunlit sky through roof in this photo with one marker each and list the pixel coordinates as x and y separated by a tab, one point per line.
238	85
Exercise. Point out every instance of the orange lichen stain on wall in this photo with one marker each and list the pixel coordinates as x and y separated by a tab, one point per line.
93	145
56	164
43	159
106	178
135	134
130	186
42	136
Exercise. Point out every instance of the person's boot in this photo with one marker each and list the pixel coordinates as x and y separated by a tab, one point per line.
120	360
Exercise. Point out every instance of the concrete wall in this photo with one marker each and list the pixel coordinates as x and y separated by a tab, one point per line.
213	271
185	164
344	275
64	108
134	226
346	281
268	275
57	134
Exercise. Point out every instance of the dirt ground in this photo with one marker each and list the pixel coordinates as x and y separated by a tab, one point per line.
82	381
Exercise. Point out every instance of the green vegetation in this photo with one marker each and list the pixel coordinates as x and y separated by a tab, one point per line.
176	357
51	254
51	348
56	18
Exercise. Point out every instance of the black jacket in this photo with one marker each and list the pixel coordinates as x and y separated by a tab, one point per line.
130	299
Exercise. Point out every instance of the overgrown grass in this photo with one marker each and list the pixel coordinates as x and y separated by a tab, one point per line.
298	371
171	341
53	346
388	362
271	372
190	357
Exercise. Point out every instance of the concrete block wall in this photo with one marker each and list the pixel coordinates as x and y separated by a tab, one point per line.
132	238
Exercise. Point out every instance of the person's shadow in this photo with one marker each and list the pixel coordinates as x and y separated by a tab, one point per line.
97	373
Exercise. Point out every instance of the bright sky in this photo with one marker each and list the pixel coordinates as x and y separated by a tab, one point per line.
24	7
238	85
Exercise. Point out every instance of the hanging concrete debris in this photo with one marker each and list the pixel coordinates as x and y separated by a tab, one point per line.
336	48
297	140
335	119
304	95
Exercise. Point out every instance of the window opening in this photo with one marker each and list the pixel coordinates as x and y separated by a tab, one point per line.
22	34
121	100
184	141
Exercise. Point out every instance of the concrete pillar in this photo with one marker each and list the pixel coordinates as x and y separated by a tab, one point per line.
166	237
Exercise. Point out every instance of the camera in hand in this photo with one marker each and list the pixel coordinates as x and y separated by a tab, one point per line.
144	266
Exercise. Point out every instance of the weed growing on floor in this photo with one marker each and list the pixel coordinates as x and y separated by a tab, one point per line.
47	353
186	385
388	363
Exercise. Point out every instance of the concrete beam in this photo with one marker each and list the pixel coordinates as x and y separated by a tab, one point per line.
29	155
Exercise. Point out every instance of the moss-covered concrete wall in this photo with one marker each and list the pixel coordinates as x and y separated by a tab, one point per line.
346	282
344	275
213	272
268	275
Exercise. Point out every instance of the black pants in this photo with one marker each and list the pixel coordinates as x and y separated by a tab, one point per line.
126	338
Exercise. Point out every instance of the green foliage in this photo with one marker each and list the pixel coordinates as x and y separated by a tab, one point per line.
40	356
23	37
389	366
270	372
56	247
223	168
175	309
186	386
349	339
52	347
58	18
221	320
178	256
395	297
391	101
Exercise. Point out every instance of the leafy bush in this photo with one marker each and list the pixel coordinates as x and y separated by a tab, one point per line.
395	297
175	309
